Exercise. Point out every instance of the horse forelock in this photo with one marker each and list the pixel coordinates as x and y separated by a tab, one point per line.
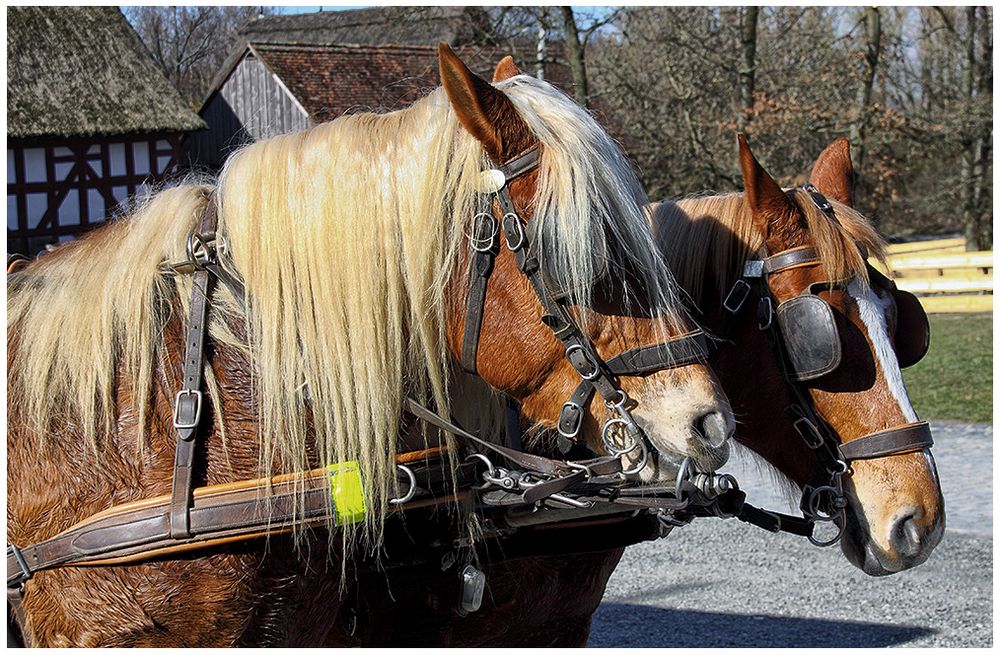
711	236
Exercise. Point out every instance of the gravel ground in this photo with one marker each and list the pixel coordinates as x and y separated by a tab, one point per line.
725	583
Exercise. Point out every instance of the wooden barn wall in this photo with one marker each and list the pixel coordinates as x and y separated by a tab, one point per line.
59	189
251	105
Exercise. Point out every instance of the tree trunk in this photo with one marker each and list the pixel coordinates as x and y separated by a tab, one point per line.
575	55
748	65
540	54
970	142
984	188
863	94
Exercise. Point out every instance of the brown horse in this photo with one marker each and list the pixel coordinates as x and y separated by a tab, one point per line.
895	512
351	243
895	515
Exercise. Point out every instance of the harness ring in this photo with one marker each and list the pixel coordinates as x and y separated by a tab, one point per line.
408	496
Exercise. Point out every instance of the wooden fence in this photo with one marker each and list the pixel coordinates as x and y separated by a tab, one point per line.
944	276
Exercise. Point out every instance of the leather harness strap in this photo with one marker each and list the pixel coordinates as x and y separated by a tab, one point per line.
218	514
894	441
598	466
790	259
485	244
188	403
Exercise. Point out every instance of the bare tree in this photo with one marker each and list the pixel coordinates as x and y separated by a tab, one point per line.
748	64
575	55
862	98
190	43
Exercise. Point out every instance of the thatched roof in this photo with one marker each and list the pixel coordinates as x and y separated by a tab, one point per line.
376	26
82	71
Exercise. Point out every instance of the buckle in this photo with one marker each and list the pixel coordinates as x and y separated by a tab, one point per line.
588	368
753	268
809	432
513	232
22	563
765	313
572	415
736	296
484	232
195	409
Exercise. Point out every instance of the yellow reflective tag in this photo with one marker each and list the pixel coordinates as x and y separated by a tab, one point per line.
348	492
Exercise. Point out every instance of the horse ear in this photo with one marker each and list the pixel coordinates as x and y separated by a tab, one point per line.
768	203
833	173
506	69
482	110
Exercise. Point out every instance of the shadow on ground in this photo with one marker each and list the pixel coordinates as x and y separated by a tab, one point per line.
620	624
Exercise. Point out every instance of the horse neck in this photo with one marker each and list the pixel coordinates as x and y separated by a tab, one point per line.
745	355
759	396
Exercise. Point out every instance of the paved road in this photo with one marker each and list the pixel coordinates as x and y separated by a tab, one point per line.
724	583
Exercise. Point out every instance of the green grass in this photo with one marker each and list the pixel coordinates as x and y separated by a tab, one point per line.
955	380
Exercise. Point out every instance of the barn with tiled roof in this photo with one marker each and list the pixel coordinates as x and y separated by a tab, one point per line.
291	72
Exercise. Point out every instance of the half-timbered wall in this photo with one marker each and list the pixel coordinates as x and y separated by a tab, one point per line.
252	104
59	189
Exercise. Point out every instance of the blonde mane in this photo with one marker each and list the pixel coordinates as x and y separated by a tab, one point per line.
346	237
709	238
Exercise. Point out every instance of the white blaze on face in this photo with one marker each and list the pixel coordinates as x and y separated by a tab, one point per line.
872	310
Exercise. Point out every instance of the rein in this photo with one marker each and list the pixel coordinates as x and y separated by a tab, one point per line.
823	499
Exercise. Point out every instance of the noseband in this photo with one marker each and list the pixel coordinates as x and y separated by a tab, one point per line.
621	434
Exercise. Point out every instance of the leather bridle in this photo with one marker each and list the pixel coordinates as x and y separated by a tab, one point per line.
823	497
621	435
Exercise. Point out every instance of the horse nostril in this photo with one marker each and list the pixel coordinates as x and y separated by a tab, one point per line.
906	535
713	428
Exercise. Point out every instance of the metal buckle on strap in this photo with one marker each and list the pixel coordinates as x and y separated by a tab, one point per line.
585	364
571	412
22	563
195	409
513	232
753	268
736	296
484	232
765	313
809	432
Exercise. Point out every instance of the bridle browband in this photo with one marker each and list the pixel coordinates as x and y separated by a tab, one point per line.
823	498
597	375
